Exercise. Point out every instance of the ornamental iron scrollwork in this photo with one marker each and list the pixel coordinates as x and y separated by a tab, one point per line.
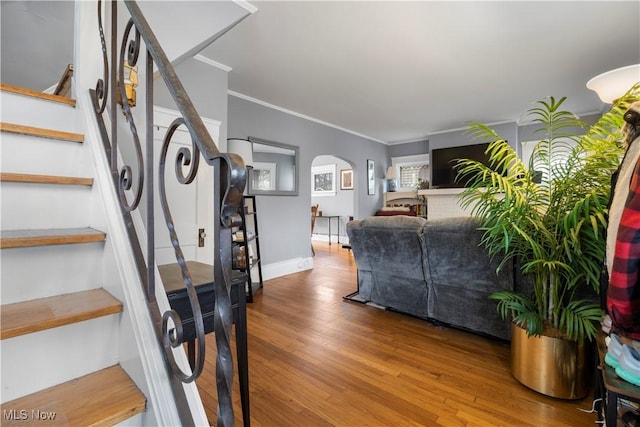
171	340
229	182
132	48
102	86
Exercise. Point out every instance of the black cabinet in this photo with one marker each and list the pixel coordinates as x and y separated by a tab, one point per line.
246	247
202	279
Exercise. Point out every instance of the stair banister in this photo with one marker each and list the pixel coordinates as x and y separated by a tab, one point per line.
229	181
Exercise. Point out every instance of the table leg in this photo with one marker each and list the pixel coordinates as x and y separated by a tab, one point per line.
243	355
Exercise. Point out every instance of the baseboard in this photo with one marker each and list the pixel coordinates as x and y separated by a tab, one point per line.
282	268
325	238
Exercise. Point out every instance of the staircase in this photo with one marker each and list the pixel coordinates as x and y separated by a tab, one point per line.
60	329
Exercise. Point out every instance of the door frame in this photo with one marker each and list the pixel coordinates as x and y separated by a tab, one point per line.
162	118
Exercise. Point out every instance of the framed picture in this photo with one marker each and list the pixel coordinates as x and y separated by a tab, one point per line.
323	180
371	177
346	179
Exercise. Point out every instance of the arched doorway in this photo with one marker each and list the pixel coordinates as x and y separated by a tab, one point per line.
333	190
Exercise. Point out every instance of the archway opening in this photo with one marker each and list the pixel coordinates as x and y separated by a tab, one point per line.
333	190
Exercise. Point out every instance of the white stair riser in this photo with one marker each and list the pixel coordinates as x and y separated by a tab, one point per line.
36	206
43	156
24	110
51	357
135	421
38	272
43	359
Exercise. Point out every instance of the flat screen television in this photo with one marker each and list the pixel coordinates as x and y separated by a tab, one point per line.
443	160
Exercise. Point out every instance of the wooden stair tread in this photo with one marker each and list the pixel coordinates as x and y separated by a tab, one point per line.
45	179
26	317
41	132
35	94
57	236
105	397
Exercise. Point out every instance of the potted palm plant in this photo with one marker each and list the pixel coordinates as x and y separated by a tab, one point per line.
549	216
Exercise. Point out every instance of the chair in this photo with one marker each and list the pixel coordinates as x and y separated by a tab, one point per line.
314	214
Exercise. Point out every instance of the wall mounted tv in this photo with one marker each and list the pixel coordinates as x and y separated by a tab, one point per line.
443	160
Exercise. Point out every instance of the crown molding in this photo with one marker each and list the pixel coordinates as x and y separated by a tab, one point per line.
302	116
213	63
605	108
410	141
579	116
504	122
246	6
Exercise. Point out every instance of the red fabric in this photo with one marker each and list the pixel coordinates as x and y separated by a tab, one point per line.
623	298
393	213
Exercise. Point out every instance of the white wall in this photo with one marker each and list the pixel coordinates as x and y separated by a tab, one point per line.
284	221
341	203
207	88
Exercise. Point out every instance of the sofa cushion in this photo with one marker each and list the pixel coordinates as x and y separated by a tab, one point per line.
389	253
393	245
467	308
397	223
463	276
457	259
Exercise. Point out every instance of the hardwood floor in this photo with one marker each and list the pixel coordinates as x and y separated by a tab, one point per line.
317	360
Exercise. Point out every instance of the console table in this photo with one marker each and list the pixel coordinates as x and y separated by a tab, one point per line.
329	218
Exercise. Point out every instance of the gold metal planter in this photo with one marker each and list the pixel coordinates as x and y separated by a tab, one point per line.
555	367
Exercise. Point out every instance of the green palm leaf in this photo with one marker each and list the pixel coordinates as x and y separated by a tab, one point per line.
555	228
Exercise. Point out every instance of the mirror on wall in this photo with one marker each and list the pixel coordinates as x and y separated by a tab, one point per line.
275	168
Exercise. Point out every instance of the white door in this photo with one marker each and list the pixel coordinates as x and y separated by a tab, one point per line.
191	205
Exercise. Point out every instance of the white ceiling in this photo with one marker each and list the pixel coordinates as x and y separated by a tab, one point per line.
399	71
389	70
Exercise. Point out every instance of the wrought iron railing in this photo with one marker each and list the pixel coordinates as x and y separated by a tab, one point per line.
135	185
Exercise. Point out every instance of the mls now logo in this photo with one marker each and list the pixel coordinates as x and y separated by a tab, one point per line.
15	414
37	414
23	414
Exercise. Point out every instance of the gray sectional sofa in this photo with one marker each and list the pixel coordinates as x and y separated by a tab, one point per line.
431	269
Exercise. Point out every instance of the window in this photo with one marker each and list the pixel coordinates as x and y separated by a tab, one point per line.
409	169
263	176
562	150
409	175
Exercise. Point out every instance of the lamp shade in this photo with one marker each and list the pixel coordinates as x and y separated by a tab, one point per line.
613	84
391	173
243	148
